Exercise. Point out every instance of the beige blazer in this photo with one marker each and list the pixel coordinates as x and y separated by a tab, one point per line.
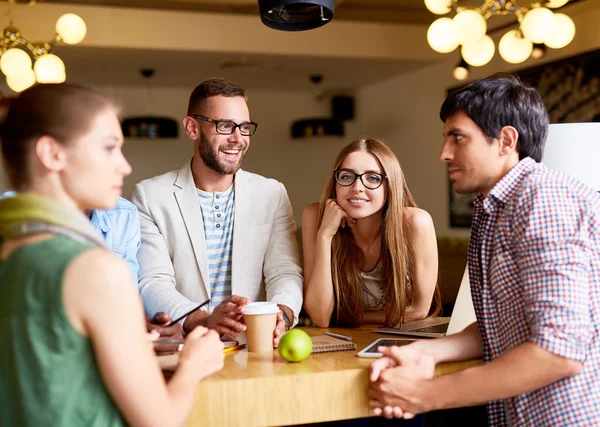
173	275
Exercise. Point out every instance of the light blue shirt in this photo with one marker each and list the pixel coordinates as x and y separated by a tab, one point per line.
217	216
120	227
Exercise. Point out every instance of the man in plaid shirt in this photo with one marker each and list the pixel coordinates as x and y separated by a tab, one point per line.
534	266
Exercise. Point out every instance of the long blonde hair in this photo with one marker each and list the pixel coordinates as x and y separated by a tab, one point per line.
396	258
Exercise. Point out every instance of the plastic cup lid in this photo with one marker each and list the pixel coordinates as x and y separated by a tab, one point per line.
261	308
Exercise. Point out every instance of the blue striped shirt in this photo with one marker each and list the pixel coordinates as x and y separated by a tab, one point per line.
218	215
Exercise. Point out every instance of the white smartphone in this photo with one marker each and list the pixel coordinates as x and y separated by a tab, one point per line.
371	349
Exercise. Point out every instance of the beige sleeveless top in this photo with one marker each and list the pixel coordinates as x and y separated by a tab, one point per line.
373	289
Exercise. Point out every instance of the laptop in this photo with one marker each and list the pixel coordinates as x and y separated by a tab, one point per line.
463	315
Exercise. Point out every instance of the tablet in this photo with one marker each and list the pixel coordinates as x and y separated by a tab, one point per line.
371	349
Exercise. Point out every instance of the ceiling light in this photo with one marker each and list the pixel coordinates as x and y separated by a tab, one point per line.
461	70
16	54
539	50
441	36
295	15
480	53
514	48
537	24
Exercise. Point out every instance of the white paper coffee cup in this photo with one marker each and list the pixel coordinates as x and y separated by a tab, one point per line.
260	319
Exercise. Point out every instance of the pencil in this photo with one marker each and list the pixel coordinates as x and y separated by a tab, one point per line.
188	313
232	349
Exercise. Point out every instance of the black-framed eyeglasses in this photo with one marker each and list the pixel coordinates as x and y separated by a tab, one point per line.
227	127
371	180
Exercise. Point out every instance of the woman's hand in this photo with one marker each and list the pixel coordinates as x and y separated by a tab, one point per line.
203	352
334	217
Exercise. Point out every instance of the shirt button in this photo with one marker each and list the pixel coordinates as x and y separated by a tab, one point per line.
218	215
217	196
216	207
218	225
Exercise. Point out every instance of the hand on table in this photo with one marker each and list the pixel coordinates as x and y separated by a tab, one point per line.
399	382
226	318
158	325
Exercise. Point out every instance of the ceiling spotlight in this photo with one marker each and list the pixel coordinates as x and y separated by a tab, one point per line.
461	70
295	15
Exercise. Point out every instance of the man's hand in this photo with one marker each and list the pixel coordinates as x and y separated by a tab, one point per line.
281	327
399	382
158	324
226	318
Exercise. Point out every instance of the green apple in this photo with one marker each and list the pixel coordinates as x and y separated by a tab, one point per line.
295	346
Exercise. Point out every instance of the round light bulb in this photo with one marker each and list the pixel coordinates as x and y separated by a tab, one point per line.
480	53
514	48
20	82
71	28
49	69
439	7
469	27
562	33
441	37
537	24
460	72
14	62
556	3
539	50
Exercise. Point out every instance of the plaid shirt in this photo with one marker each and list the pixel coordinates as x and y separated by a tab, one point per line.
534	267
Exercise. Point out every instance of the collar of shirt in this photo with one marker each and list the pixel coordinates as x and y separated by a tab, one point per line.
100	221
504	189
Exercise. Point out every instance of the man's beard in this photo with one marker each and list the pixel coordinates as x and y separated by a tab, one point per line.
210	158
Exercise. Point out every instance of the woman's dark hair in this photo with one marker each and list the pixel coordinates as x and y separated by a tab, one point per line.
62	111
503	100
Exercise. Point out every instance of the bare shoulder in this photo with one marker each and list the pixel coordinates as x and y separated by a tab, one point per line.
98	268
310	213
419	220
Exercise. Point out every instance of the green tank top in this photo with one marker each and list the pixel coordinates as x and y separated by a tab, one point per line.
48	373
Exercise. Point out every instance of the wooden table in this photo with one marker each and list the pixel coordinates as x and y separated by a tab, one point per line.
264	390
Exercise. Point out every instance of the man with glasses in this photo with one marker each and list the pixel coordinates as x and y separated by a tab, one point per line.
212	230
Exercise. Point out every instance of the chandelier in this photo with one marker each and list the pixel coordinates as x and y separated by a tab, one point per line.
538	25
16	54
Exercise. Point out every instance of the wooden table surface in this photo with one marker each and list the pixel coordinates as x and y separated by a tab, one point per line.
256	389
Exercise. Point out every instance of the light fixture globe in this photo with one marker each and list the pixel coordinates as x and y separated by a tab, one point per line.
562	33
461	70
441	36
71	28
469	27
537	24
14	62
295	15
555	3
513	48
480	53
49	69
22	81
438	7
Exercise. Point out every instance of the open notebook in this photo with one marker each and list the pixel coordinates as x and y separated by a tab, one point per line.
325	343
463	315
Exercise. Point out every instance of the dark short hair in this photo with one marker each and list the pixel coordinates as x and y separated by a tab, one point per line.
503	100
216	86
62	111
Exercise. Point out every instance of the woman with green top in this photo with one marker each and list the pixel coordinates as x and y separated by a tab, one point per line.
73	345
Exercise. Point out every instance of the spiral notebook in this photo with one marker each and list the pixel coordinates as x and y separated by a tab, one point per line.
325	343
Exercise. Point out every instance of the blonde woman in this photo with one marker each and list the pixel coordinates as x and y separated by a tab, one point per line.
370	255
75	351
